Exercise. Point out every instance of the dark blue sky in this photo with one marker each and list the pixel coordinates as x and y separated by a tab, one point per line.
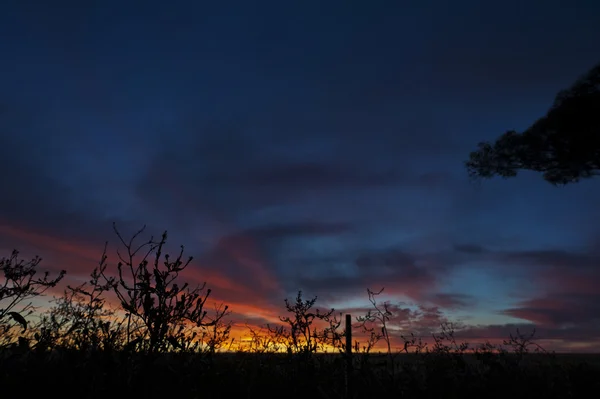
301	145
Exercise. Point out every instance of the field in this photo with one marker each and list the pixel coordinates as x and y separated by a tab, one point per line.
70	373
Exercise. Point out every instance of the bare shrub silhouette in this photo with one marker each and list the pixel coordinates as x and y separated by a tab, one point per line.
81	318
300	334
380	314
264	340
21	283
217	332
149	290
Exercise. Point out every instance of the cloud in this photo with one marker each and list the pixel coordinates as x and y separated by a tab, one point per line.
561	273
313	175
421	321
559	310
400	273
31	194
48	191
469	248
550	260
208	185
282	231
452	301
487	52
572	338
555	257
247	254
404	321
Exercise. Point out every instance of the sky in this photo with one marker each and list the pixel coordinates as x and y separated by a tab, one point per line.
306	145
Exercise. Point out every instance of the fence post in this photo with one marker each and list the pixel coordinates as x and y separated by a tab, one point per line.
348	356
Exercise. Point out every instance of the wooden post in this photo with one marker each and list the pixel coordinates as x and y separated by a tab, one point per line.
348	356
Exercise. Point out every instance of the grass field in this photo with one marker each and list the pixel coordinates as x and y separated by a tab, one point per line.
69	373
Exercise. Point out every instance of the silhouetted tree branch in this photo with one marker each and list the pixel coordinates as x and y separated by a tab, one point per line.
564	145
148	290
20	283
81	318
301	335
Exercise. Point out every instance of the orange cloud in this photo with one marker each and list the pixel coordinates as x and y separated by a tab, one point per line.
243	250
58	248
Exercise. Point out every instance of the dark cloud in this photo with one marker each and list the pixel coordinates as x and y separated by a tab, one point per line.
469	248
34	195
243	258
262	238
555	258
545	335
560	310
565	260
420	320
282	231
319	176
246	177
29	189
516	57
452	301
391	260
400	273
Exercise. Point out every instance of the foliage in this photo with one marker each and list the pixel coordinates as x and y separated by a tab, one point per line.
264	340
380	313
564	145
300	334
20	282
149	292
82	319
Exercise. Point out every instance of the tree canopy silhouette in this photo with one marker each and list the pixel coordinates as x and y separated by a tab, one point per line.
563	145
